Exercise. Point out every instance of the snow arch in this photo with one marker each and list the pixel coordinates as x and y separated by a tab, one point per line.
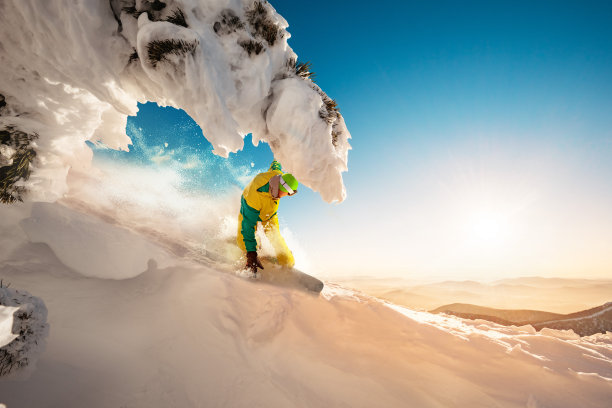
71	72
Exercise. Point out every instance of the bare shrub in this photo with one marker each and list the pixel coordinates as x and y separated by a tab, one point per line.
177	17
159	50
228	23
251	46
262	26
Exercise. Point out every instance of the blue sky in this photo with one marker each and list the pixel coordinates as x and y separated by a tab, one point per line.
482	138
459	110
165	136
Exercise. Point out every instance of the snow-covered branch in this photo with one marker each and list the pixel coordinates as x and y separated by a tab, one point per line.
23	329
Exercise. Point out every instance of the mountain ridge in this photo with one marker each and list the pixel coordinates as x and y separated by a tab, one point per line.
584	323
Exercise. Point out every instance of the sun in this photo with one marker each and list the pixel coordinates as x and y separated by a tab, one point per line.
487	227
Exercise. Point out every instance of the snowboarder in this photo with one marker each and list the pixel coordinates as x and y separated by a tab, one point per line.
259	203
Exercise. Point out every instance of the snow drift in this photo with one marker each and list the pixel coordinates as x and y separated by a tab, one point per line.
89	245
71	72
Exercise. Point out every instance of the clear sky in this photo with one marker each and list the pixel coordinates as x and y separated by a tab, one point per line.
482	138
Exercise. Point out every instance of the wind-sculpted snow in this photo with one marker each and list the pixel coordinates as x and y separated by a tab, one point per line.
73	71
89	245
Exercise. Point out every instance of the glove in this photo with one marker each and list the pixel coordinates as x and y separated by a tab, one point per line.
252	262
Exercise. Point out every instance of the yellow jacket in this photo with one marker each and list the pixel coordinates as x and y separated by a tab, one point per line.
258	205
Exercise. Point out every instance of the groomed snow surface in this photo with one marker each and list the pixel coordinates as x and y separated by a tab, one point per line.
182	334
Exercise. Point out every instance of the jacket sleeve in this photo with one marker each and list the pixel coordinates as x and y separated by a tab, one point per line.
283	254
250	217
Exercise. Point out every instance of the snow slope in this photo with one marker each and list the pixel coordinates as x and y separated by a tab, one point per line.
190	335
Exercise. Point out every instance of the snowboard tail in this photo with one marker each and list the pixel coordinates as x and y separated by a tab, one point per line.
279	275
309	282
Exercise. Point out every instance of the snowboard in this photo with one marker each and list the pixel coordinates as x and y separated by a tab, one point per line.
273	272
284	276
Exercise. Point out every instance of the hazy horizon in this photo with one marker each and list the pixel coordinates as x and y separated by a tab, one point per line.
558	295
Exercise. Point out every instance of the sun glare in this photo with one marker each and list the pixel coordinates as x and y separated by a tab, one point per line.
488	228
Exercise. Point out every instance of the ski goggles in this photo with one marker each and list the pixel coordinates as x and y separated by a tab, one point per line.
290	191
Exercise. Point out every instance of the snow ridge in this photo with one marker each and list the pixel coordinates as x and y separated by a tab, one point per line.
599	311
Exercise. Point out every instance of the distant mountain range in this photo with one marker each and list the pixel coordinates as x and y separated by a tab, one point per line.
584	323
558	295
